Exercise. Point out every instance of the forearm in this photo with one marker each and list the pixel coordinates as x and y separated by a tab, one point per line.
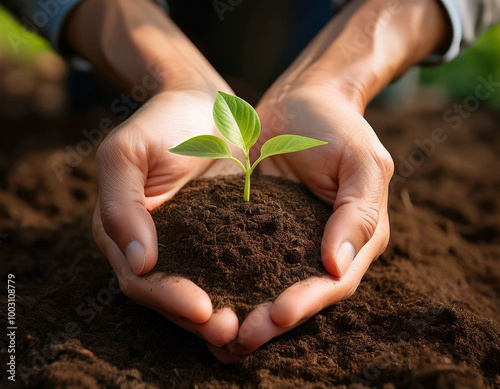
134	43
371	43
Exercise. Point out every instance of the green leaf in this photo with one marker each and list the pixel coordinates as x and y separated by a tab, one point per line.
203	146
282	144
236	120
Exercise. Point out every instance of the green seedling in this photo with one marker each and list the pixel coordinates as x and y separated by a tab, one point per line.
238	122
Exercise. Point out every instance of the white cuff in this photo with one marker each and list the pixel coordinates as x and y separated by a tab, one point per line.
453	10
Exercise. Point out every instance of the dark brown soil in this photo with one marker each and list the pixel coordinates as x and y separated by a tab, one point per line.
426	314
241	253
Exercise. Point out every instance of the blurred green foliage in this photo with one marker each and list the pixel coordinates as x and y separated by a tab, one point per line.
17	41
460	76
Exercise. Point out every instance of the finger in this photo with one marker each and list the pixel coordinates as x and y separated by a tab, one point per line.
178	296
360	203
308	297
257	329
220	329
223	354
122	172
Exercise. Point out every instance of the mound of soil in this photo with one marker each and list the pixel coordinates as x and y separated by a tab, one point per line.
426	315
241	253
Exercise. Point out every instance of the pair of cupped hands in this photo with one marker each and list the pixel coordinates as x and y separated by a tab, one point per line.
137	174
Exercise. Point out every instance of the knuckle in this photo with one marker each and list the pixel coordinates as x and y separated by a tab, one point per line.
368	221
385	233
385	164
381	163
384	245
386	237
377	164
114	148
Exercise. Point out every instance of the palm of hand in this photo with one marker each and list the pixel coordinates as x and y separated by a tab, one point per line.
137	174
169	121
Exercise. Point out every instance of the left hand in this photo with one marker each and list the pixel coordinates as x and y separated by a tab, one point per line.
351	173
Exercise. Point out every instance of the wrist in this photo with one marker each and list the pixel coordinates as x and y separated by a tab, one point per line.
378	41
175	66
170	76
343	85
348	84
138	48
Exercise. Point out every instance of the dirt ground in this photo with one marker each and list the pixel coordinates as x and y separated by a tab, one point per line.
426	315
242	254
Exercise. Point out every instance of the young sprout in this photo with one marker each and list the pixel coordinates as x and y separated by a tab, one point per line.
238	122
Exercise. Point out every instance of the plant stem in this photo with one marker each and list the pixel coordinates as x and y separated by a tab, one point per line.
239	163
246	194
256	163
248	172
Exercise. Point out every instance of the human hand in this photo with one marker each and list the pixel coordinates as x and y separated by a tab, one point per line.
352	173
137	174
141	49
323	95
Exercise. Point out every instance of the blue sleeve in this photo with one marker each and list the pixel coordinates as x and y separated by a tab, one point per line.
45	17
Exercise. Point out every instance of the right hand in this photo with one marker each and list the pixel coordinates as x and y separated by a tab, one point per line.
137	174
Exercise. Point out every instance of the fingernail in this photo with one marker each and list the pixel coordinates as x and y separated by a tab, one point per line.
345	256
136	256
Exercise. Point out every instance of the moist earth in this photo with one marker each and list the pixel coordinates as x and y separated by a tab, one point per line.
241	253
426	314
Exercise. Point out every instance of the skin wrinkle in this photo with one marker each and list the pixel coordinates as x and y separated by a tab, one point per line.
380	167
323	192
369	218
119	152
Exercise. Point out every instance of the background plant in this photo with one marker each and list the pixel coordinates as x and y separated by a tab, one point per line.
239	124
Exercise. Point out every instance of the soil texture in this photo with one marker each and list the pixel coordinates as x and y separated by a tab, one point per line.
426	315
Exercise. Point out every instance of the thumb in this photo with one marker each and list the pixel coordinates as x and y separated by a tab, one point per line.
122	175
360	203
